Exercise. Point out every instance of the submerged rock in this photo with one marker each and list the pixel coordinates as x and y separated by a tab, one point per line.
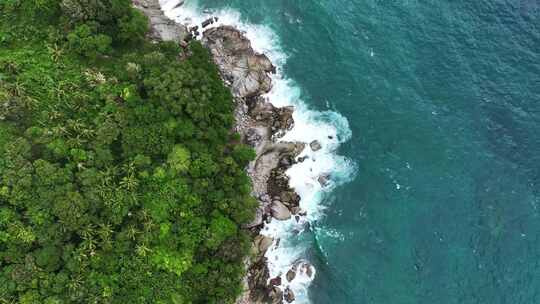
307	268
324	179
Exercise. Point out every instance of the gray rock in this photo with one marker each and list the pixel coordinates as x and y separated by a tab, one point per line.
261	244
238	62
315	145
207	22
290	198
161	27
276	296
291	274
253	137
279	211
285	162
258	220
289	295
302	159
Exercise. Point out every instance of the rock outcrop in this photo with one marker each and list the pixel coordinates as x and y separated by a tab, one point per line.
260	124
161	27
246	70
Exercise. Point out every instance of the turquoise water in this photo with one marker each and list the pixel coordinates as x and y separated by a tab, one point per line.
443	99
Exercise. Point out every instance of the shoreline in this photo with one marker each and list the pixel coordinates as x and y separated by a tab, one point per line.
262	126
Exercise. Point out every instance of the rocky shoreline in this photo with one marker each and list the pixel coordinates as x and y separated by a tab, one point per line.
260	125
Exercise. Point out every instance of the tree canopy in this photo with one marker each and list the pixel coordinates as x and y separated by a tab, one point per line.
120	178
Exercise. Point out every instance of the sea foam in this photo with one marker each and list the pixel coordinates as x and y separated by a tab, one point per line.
329	128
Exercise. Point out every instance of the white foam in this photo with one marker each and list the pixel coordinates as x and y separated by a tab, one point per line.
329	128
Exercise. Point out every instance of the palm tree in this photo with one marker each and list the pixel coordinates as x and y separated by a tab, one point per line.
55	52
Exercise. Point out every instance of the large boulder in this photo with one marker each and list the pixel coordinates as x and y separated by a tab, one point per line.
247	71
261	244
279	120
280	211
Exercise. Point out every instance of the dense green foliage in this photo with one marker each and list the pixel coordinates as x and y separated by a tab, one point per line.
120	178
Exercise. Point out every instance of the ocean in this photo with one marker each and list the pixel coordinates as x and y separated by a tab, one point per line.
429	117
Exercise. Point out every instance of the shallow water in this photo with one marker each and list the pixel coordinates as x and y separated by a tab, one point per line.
443	103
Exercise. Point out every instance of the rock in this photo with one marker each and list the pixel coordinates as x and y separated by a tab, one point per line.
265	198
275	281
315	145
307	269
289	295
194	28
253	137
179	4
279	211
258	275
184	44
279	120
261	244
268	159
207	22
285	162
295	210
161	27
302	159
238	62
324	179
290	198
258	220
276	296
303	267
291	274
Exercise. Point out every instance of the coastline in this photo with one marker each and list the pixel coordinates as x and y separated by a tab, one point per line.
260	125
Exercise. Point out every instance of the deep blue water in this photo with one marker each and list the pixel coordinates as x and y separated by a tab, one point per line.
443	98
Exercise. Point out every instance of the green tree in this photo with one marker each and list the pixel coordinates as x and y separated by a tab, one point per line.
84	41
